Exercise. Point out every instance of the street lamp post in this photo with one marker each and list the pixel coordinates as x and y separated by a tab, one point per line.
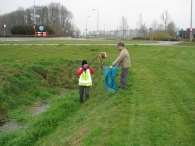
97	22
34	13
86	25
191	24
105	28
34	20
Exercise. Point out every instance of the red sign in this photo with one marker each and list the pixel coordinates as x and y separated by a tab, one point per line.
191	29
41	33
4	26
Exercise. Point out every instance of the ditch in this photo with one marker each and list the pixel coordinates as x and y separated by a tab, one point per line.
36	109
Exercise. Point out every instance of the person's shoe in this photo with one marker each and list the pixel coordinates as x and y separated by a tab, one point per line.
122	88
81	101
87	98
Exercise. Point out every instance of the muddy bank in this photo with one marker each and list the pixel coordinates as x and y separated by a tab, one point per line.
2	118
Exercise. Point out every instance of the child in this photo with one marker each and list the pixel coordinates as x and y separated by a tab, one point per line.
85	80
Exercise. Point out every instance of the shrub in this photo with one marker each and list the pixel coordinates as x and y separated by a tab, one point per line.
161	35
29	30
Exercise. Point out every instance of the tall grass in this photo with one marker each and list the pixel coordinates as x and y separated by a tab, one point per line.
156	109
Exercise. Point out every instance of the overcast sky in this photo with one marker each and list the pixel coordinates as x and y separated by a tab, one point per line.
111	11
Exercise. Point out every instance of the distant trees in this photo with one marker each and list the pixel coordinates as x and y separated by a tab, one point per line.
165	17
141	26
54	14
171	29
124	25
168	27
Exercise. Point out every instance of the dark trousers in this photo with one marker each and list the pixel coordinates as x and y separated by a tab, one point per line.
83	89
123	81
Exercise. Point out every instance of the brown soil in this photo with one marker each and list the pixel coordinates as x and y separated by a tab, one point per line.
2	118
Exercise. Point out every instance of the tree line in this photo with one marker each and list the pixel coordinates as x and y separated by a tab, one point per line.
53	15
165	29
57	20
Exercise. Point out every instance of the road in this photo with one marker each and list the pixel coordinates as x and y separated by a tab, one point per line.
7	39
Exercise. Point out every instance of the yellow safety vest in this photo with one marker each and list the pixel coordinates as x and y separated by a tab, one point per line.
85	78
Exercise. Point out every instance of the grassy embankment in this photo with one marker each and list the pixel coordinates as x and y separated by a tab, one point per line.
157	109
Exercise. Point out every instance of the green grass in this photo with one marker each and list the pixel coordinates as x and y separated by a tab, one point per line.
192	44
156	109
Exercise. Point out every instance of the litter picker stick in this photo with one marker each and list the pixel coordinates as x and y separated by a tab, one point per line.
93	60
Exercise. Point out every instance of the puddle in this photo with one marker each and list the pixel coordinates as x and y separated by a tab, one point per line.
8	126
39	107
36	109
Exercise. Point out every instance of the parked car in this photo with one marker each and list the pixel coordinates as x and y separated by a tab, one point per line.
92	36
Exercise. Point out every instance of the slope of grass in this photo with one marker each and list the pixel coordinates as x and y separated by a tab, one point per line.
156	109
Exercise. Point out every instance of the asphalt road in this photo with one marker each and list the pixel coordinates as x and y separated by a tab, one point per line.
38	38
7	39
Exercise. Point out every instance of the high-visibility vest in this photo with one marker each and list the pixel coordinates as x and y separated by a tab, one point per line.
85	78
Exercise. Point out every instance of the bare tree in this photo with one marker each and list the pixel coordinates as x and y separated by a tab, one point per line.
124	25
171	29
154	25
77	32
142	26
165	17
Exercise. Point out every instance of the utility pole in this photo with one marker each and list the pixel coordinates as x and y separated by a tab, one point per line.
191	30
97	33
86	25
34	20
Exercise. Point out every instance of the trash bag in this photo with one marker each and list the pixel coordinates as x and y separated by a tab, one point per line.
109	78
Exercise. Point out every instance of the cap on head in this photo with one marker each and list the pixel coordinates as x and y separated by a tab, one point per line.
84	62
120	44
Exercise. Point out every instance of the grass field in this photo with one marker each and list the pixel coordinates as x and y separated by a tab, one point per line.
157	109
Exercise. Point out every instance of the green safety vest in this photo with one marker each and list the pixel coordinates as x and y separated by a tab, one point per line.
85	78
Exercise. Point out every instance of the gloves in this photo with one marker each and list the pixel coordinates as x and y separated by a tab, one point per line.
85	68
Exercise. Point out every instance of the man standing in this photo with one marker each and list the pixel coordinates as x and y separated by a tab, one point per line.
123	60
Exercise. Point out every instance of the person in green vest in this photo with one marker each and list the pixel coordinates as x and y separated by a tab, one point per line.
85	80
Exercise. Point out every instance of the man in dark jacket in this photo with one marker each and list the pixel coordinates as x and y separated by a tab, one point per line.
123	60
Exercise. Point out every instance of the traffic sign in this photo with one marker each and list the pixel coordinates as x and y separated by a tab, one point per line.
32	18
41	28
38	8
150	29
97	32
177	33
34	15
4	26
191	29
34	26
41	33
